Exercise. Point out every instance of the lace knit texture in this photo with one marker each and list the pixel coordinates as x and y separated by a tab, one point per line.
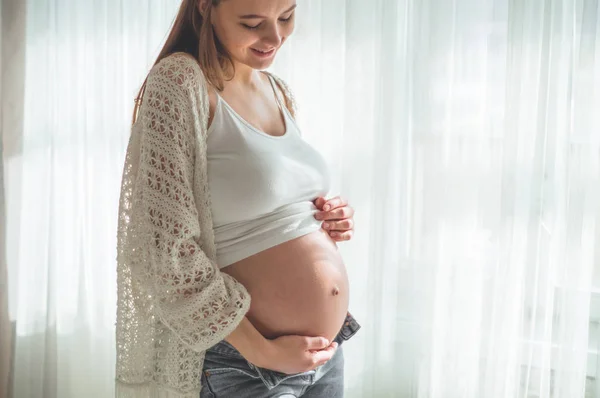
173	302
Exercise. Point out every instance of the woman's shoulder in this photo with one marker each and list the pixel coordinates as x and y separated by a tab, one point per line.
175	83
287	93
180	68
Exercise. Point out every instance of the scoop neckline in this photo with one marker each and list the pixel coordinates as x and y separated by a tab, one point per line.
280	107
256	129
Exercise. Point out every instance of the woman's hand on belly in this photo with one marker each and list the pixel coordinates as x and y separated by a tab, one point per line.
297	354
337	217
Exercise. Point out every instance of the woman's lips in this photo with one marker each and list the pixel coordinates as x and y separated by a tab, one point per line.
263	54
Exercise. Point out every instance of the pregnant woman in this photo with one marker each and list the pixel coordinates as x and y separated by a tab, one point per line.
230	282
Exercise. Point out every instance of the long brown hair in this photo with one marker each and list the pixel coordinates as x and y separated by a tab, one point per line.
193	33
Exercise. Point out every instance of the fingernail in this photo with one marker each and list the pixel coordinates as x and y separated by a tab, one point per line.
326	225
318	216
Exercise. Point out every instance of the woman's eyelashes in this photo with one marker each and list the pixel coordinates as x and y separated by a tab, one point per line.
253	27
288	19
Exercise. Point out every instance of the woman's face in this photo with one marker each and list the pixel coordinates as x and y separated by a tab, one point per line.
252	31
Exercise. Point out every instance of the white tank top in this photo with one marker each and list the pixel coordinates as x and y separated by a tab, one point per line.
262	187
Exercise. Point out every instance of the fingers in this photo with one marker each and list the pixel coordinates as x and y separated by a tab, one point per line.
334	203
319	202
316	343
336	214
341	236
343	225
321	357
339	223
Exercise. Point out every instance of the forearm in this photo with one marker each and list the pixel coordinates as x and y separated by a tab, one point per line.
288	354
249	342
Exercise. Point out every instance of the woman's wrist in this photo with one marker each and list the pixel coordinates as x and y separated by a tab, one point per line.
262	354
250	343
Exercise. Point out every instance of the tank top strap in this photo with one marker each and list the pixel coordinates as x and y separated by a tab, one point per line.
277	93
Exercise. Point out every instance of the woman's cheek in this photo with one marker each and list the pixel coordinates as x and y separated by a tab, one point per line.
242	41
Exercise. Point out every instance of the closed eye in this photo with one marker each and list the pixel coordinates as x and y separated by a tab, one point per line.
251	27
254	27
288	19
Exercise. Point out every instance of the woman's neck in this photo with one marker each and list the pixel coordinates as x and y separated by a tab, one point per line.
246	76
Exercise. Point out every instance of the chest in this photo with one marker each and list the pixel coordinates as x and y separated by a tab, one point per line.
251	175
261	114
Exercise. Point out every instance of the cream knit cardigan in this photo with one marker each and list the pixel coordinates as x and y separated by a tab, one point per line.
173	302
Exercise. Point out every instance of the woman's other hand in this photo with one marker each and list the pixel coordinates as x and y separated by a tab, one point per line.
338	217
296	354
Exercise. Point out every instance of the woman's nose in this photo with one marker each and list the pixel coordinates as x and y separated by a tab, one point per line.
272	36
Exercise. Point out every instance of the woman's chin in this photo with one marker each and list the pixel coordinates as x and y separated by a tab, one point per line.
262	65
259	63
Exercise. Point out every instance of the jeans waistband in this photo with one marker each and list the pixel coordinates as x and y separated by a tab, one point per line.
349	329
273	378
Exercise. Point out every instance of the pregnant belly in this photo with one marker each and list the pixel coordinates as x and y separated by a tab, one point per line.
299	287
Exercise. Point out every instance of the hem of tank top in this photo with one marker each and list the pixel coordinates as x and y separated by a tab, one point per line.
265	244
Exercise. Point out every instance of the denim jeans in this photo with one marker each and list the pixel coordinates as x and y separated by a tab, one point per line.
227	373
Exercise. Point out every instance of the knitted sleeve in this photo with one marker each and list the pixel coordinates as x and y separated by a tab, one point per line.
159	232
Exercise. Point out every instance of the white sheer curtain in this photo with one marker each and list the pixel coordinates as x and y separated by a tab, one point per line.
463	132
84	61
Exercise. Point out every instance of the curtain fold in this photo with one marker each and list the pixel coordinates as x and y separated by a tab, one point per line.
465	133
12	82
